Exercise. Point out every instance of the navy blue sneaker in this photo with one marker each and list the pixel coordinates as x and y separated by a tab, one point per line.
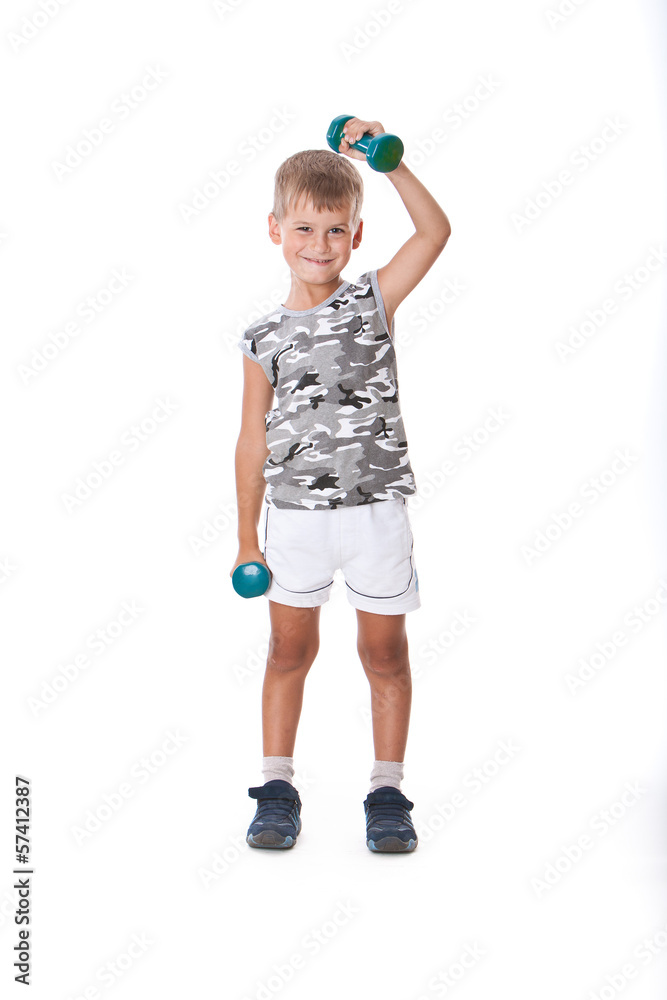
388	822
277	822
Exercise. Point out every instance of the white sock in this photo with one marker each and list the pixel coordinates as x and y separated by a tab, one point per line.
278	767
386	772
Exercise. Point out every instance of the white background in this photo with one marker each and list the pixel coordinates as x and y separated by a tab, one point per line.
140	755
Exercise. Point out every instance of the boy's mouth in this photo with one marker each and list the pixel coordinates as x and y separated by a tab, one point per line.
316	260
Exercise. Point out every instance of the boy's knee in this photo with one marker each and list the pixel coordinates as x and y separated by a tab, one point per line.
388	661
291	651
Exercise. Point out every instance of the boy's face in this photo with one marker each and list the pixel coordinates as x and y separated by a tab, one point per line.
316	245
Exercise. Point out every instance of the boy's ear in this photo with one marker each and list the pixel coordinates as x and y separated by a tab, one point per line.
356	239
274	229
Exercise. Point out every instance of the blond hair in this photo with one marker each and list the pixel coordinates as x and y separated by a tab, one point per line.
326	178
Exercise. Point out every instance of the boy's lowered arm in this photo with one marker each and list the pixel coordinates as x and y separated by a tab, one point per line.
418	254
251	453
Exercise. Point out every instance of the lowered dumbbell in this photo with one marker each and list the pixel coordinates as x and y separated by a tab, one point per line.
251	579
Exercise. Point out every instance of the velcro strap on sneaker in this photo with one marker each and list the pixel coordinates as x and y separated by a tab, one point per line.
264	792
393	796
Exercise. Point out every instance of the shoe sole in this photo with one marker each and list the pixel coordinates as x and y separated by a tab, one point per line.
391	845
268	840
272	840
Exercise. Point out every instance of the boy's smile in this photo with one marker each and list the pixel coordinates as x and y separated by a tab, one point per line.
316	246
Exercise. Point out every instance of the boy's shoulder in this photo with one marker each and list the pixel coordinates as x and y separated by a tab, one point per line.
363	287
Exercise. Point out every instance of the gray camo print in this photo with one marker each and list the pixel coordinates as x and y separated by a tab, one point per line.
336	436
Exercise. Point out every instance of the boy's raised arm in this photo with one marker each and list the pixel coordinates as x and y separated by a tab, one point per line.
432	229
418	254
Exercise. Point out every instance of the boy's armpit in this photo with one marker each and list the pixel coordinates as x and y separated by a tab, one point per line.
387	319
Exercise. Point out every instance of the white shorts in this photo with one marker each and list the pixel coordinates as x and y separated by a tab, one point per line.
372	544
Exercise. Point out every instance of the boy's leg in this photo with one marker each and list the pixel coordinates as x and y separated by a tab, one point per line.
293	646
382	644
383	650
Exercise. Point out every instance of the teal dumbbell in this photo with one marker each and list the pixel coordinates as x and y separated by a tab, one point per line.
383	152
251	579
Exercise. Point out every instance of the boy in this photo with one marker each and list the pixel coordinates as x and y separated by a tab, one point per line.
333	459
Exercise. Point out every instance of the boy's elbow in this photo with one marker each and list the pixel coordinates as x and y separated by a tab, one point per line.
443	228
438	239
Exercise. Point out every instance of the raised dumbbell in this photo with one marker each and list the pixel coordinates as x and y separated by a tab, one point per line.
251	579
383	152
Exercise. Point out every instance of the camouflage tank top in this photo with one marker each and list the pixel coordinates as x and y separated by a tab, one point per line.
336	437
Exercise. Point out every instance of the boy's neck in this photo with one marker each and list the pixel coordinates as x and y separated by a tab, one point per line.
304	296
